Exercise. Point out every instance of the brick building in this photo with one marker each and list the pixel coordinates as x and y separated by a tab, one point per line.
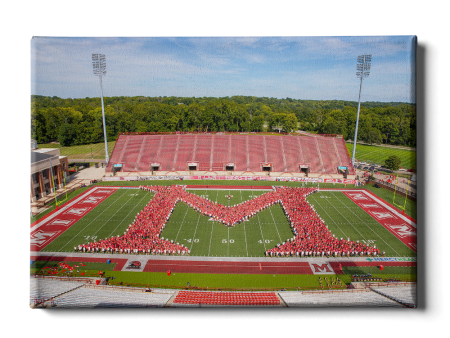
46	162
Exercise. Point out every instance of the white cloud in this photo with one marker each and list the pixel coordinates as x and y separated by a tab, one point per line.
316	68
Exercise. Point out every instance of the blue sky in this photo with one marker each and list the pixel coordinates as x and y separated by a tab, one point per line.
310	68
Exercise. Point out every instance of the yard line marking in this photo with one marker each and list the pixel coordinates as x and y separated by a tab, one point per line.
316	201
270	209
264	242
228	243
212	228
346	219
368	226
210	238
245	233
182	222
97	217
199	215
137	204
113	215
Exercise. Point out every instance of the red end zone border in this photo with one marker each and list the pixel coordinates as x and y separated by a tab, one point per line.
45	230
401	226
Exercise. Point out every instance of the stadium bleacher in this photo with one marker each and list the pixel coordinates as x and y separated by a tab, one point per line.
91	298
42	289
65	294
211	152
344	298
74	294
405	294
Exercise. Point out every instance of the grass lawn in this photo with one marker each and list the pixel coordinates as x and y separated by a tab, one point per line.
215	281
88	270
378	154
241	281
87	151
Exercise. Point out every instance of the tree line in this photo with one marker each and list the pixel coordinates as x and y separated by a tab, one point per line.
79	121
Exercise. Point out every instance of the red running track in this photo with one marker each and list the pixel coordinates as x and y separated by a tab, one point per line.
230	267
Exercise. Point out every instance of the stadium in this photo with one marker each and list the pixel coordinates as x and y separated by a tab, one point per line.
224	219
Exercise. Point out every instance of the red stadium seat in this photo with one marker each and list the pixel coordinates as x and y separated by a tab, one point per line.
247	152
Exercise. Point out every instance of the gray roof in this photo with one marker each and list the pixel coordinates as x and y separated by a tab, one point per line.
36	157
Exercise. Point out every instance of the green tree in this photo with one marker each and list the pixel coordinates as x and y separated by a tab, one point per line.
67	134
276	121
140	126
373	136
330	126
290	122
257	123
393	162
38	126
193	118
335	123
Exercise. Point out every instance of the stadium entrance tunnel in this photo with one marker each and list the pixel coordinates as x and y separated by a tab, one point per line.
304	169
117	167
192	166
343	171
267	167
154	166
229	167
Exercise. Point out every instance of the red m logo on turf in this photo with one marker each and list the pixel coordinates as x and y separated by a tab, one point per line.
321	268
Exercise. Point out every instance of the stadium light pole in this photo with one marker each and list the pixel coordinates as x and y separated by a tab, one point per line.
362	71
99	65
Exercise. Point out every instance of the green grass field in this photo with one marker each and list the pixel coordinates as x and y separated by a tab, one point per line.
378	154
248	239
87	151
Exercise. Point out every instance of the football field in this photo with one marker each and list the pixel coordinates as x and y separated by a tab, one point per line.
205	237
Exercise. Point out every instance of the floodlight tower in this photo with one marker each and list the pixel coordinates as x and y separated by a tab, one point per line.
363	70
99	65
